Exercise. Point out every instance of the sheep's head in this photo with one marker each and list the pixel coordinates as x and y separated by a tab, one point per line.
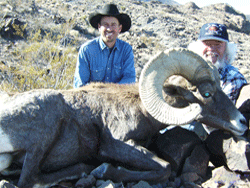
175	100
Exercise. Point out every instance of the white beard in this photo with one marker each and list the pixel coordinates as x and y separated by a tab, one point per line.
230	53
220	63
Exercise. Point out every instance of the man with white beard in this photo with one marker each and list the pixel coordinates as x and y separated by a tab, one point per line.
213	44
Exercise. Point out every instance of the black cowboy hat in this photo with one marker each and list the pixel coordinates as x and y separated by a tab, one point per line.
110	10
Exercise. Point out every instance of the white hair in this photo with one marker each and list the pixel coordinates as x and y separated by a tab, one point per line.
230	52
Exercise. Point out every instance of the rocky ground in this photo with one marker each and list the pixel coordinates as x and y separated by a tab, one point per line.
155	27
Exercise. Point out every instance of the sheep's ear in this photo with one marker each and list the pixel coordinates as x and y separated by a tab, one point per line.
177	96
172	90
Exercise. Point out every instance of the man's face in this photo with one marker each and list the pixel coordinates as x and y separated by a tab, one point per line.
109	29
213	50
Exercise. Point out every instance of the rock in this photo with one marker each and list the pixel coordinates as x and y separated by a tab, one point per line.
243	102
229	151
13	28
221	177
107	184
65	184
237	154
6	184
197	162
214	143
87	182
99	182
175	183
176	145
190	177
190	185
142	184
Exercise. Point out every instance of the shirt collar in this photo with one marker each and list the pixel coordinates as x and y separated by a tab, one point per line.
103	45
221	70
224	70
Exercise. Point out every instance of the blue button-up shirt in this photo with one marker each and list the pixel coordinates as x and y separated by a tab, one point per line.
97	64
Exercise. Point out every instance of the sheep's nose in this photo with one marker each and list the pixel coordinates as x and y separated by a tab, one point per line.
243	121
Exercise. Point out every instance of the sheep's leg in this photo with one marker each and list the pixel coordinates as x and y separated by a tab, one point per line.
31	172
50	179
68	173
121	174
30	168
36	154
150	167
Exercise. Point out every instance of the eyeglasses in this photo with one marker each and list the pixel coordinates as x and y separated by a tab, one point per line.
106	25
213	43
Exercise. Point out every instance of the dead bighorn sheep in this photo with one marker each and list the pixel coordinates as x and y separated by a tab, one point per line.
62	134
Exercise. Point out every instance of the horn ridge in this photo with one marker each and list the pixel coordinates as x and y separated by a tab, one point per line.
177	61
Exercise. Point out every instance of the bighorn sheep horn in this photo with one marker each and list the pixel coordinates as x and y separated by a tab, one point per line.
173	62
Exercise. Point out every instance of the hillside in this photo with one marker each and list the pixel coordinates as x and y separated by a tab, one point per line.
167	2
40	39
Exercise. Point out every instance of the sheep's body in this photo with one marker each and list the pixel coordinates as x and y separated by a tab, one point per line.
62	134
79	126
114	107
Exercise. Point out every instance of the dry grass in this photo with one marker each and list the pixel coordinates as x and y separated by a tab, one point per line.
43	62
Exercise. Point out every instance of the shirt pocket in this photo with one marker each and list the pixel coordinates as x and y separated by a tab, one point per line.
117	71
97	73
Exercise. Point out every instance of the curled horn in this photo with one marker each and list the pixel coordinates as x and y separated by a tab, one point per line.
174	62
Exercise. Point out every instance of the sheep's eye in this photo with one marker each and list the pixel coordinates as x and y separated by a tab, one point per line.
207	94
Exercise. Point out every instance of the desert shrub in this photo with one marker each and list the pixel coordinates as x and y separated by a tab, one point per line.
42	63
151	42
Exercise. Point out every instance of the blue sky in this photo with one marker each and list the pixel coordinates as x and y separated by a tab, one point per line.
240	5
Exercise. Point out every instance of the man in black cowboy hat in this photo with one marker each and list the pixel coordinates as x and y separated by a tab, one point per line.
106	58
